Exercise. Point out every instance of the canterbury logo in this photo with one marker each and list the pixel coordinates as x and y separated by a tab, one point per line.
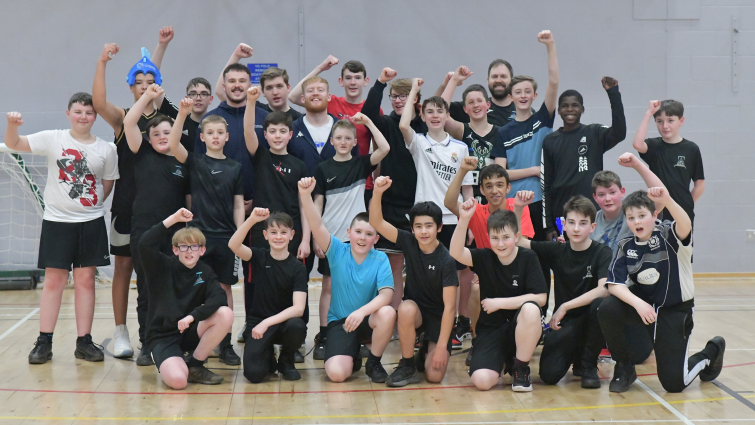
632	254
431	267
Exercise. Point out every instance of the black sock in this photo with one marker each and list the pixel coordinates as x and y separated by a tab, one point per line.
193	362
226	341
373	358
323	331
409	361
46	335
518	364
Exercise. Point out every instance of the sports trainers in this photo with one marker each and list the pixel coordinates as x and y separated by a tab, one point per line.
418	341
713	369
319	353
462	330
240	336
288	371
202	375
42	351
590	378
375	371
455	343
298	357
522	381
229	356
88	350
403	375
577	370
468	361
421	356
122	343
364	351
145	358
624	376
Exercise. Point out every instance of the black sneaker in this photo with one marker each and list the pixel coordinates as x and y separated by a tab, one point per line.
577	371
229	356
202	375
455	343
298	357
522	381
468	361
357	364
421	356
590	378
42	351
463	329
86	349
623	378
288	371
376	372
418	341
145	358
712	371
403	375
364	351
319	353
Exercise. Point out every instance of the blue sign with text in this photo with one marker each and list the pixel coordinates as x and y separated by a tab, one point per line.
257	69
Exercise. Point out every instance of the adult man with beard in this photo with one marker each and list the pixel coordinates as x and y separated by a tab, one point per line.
501	109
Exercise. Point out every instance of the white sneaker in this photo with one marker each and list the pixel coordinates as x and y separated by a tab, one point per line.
122	343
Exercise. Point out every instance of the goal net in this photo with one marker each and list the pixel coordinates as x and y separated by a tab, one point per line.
22	182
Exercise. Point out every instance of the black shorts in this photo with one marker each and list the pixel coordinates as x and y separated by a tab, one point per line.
342	343
120	234
398	218
323	267
79	244
445	235
495	346
175	345
222	260
431	324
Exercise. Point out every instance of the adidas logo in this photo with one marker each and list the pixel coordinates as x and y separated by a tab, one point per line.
429	150
300	134
185	132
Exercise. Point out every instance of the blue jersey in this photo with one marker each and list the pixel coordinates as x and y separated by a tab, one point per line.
521	143
659	270
354	285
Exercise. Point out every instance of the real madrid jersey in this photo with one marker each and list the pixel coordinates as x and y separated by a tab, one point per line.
437	163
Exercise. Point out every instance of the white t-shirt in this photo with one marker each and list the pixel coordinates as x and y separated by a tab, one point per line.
320	135
75	171
437	164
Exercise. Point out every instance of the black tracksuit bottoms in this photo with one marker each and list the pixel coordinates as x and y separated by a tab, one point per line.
258	353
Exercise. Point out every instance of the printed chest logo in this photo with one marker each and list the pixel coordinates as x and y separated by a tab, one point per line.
454	158
178	172
429	150
582	150
481	150
514	278
589	273
331	179
216	172
300	134
199	279
648	277
185	132
446	172
583	139
281	169
680	162
631	253
431	267
76	176
654	242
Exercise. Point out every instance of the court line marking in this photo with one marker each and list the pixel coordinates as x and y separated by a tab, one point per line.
734	394
19	323
387	415
664	403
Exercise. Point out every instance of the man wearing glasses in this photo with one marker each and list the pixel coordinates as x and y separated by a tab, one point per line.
199	91
399	198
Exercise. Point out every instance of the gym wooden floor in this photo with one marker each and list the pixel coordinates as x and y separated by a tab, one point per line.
71	391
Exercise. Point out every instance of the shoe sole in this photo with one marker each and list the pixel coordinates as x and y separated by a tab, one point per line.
520	389
195	381
591	384
379	380
410	380
123	354
143	363
49	357
465	336
89	359
719	359
232	363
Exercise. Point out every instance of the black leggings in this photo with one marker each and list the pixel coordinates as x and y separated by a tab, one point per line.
258	353
669	336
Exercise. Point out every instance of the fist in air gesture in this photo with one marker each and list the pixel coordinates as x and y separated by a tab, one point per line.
628	160
608	82
166	34
387	74
382	184
417	83
523	198
252	94
153	91
659	195
243	51
328	63
259	214
184	108
462	73
183	215
655	105
15	119
545	37
109	51
467	209
470	163
306	185
360	119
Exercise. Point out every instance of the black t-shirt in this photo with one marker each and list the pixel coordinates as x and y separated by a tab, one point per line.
497	115
161	186
276	179
480	147
426	274
571	159
293	113
676	164
575	272
523	276
191	127
274	284
214	184
125	187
